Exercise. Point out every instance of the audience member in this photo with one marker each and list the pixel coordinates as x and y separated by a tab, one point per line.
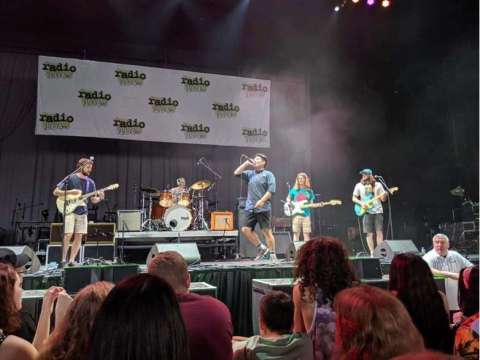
11	346
322	270
373	324
466	337
140	319
448	263
276	340
207	320
411	281
70	338
20	262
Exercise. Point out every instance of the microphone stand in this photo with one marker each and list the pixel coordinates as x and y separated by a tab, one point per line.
65	184
216	176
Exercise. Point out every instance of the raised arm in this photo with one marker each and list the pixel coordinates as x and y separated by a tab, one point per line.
239	170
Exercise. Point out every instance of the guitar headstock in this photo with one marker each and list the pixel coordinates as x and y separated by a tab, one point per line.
394	189
334	202
112	187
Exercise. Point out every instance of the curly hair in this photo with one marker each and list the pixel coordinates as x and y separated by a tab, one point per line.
9	314
70	339
322	263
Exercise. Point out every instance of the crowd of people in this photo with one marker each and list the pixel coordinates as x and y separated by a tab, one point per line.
330	315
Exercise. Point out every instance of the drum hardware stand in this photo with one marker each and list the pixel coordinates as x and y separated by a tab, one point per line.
199	222
148	220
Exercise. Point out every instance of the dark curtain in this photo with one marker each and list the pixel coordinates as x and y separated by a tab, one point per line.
30	165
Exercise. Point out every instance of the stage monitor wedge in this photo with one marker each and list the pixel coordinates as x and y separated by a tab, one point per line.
189	251
387	250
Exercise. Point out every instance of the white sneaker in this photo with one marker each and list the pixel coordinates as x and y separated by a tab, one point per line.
262	253
273	258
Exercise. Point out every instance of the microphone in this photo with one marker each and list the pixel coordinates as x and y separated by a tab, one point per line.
248	158
288	184
200	161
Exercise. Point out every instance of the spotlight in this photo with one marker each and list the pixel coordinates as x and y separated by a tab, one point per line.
385	3
370	2
337	8
355	1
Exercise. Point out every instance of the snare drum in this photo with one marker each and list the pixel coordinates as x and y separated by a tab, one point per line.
166	199
177	218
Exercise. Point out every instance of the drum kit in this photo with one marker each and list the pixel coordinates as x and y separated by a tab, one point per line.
177	209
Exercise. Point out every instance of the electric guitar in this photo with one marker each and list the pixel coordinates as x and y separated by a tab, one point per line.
73	201
368	203
293	208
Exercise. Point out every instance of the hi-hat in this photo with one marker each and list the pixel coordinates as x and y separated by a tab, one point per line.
201	185
149	190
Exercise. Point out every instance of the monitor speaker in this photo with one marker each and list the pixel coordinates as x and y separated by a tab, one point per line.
389	248
189	251
34	264
77	277
293	249
54	254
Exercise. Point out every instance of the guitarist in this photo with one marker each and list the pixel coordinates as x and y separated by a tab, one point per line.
76	222
302	190
372	221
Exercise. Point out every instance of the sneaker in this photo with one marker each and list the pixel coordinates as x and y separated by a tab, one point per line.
262	253
273	258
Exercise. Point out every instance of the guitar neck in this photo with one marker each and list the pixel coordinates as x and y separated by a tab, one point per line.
87	195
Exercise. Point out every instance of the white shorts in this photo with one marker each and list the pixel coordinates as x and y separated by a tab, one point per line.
302	223
76	224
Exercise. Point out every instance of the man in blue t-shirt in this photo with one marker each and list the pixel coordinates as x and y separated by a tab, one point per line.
301	222
261	187
76	222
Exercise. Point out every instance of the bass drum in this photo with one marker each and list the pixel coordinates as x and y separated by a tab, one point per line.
177	218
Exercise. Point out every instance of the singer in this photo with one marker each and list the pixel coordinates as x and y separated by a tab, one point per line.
261	187
76	223
372	221
301	192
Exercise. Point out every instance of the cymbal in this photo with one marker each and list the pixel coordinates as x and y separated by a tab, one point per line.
201	185
149	190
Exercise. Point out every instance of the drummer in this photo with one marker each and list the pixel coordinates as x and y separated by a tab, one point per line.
179	190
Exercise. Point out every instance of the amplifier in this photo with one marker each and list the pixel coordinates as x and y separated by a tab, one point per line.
97	233
221	220
129	220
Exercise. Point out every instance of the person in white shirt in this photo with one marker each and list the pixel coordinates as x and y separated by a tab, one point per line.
372	221
448	263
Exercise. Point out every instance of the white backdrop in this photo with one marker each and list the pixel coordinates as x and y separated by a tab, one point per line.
106	100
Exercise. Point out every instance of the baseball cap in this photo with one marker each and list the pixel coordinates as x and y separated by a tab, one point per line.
7	256
366	171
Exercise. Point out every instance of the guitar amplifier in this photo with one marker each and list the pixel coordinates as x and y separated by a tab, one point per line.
97	233
129	220
221	220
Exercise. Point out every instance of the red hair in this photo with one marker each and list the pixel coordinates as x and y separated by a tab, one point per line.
9	315
373	324
70	339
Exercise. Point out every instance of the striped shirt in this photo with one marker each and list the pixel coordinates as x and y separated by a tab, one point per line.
452	262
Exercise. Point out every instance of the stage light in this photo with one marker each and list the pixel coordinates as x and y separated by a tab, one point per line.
370	2
385	3
355	1
337	8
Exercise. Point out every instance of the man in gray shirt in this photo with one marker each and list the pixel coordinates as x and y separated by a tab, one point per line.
448	263
261	187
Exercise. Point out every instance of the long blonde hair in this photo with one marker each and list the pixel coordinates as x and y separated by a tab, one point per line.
307	181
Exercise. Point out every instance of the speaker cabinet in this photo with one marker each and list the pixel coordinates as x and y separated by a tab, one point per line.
54	254
293	249
117	272
282	243
34	264
98	251
389	248
96	233
129	220
367	267
189	251
77	277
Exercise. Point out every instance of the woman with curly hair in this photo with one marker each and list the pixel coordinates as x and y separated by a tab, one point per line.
12	347
373	324
411	281
322	270
70	339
